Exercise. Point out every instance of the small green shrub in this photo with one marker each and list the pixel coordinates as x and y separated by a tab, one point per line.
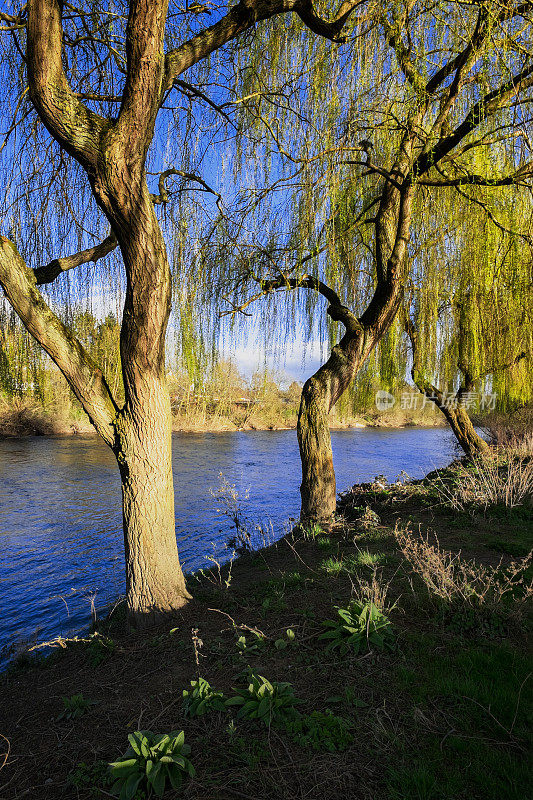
320	731
247	752
75	706
324	542
332	566
201	699
149	762
274	603
365	558
311	530
264	701
362	624
348	698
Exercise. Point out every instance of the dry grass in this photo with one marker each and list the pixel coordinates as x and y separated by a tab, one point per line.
505	479
21	417
26	417
511	431
373	591
452	578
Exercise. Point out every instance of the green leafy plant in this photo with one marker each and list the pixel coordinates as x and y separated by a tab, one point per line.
320	731
202	698
311	530
264	701
324	542
282	644
150	761
99	649
249	648
348	698
274	603
75	706
361	624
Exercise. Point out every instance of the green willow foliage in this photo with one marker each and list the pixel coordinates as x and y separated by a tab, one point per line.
471	296
273	124
22	362
304	198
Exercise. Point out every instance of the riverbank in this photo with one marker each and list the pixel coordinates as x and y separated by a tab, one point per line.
430	701
22	418
216	423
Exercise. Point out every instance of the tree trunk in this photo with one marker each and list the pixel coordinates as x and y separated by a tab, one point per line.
461	424
319	395
456	415
318	488
154	580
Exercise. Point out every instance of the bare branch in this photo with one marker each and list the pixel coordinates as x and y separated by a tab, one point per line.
196	92
162	197
519	177
329	30
336	310
49	272
85	378
14	21
242	17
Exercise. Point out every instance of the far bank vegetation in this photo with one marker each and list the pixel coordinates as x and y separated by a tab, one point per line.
213	396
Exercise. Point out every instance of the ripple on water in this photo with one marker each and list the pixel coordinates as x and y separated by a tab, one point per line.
60	518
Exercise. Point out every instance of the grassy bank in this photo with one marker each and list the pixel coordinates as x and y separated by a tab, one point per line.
427	697
19	417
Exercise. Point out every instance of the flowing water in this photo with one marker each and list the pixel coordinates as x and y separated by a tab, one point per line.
61	542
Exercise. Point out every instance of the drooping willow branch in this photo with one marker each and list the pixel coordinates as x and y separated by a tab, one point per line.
47	273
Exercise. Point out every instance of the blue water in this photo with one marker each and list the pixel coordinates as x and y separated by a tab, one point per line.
60	520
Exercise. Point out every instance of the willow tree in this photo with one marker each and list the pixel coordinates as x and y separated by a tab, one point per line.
469	326
96	76
424	89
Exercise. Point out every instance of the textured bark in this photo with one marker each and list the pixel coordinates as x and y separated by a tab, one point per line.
154	580
461	424
113	154
326	386
319	395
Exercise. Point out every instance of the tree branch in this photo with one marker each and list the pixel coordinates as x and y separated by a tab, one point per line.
49	272
242	17
487	105
194	91
524	173
336	310
69	121
329	30
145	67
162	197
84	377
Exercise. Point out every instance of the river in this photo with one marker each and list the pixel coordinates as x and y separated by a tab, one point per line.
60	521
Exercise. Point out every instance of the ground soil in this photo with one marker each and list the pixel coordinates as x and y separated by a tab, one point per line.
415	734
